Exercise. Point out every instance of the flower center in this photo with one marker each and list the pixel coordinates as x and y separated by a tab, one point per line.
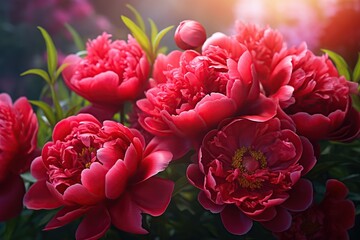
248	161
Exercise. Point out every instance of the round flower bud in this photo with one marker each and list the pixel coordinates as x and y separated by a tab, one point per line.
189	34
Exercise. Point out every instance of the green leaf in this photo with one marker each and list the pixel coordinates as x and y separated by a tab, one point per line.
60	69
356	102
159	36
52	60
340	63
138	34
139	19
154	30
79	43
48	112
356	73
44	75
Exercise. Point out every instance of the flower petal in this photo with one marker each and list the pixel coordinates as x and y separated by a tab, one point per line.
235	221
95	224
116	180
39	196
300	197
208	204
152	164
126	215
65	216
153	195
12	191
281	222
78	194
93	179
195	176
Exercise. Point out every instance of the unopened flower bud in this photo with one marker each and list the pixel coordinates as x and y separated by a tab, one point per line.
190	34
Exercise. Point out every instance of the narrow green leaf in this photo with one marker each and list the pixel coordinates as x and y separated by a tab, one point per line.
60	69
48	112
138	34
51	53
356	73
139	19
154	30
340	63
79	43
159	36
44	75
356	102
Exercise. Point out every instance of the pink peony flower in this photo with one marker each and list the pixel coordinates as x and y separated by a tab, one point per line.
18	140
310	90
198	94
263	44
111	73
189	34
103	173
251	171
329	219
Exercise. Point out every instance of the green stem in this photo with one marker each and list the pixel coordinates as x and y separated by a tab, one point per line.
58	109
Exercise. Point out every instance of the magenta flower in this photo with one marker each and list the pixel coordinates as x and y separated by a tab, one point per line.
329	219
18	140
310	90
263	44
103	173
251	171
184	105
111	73
190	34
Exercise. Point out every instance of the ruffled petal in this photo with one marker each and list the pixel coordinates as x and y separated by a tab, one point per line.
208	204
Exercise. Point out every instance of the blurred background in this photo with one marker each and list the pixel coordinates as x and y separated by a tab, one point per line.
330	24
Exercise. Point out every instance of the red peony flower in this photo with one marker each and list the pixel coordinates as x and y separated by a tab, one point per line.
263	44
103	173
111	73
251	171
18	140
199	93
310	90
329	219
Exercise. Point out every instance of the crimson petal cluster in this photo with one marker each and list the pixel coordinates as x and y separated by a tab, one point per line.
18	140
111	73
250	171
101	172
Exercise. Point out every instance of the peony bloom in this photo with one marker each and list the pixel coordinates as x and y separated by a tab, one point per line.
251	171
103	173
263	44
18	140
184	105
310	90
329	219
189	34
111	73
